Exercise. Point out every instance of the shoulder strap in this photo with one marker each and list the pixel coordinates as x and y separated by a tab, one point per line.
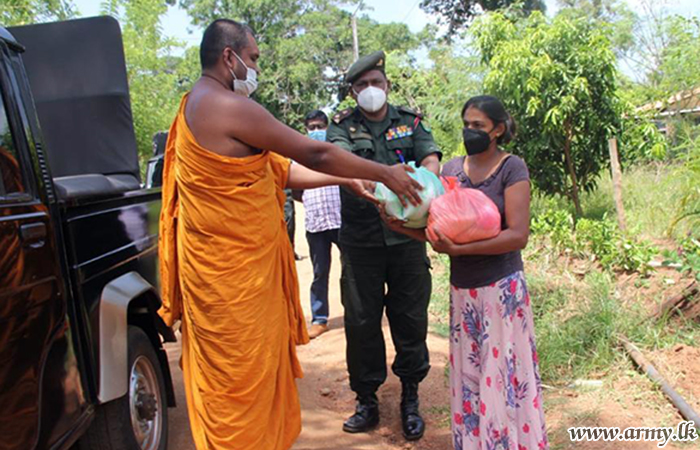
342	115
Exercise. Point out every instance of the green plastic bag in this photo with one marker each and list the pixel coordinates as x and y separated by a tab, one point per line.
415	216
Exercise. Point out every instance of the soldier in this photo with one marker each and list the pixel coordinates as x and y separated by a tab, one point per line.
382	269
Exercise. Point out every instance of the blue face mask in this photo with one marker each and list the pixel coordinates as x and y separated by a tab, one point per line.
318	135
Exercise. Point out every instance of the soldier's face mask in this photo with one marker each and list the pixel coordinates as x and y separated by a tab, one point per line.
250	84
371	99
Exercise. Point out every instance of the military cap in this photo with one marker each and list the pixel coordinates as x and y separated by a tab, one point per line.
374	61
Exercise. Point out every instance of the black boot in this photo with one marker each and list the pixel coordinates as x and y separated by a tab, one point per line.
412	423
366	415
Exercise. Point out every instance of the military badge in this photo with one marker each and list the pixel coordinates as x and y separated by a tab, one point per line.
399	133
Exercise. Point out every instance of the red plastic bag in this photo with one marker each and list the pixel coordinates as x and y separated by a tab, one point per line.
463	215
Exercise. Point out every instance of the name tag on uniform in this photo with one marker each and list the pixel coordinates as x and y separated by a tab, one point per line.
399	132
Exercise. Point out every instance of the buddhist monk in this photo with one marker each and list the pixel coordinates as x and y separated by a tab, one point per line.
227	266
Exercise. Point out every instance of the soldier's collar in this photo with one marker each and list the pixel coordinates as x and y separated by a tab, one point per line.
392	113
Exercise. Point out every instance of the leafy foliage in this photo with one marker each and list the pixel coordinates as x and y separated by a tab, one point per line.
678	69
439	91
663	55
24	12
616	15
558	79
689	207
306	47
153	79
457	14
686	258
597	239
640	139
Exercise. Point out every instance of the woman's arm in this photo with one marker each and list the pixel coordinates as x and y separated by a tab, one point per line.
515	237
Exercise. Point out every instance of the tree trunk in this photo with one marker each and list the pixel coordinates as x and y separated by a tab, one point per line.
572	172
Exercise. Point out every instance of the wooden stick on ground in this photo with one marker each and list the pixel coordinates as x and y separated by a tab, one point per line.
687	302
678	401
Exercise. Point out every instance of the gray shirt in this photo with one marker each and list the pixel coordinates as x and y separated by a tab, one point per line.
474	271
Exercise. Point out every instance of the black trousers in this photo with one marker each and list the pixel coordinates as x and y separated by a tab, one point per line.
396	278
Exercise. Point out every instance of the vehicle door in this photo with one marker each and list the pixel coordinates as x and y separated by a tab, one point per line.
32	309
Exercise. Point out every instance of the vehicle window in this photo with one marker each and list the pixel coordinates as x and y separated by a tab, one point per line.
11	180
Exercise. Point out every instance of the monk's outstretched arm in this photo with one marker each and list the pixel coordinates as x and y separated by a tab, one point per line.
301	177
254	125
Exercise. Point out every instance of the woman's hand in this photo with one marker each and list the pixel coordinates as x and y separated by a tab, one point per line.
393	223
442	244
398	225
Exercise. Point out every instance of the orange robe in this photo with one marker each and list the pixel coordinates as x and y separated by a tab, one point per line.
228	272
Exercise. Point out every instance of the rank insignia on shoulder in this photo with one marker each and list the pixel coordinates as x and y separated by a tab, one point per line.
342	115
399	132
413	112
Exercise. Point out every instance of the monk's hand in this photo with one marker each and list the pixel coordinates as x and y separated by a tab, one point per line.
405	187
441	243
363	189
393	223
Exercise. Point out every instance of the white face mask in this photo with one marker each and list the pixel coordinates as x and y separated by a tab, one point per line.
249	85
371	99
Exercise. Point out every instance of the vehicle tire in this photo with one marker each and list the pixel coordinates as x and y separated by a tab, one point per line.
139	420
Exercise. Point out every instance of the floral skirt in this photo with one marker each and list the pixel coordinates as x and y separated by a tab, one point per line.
494	376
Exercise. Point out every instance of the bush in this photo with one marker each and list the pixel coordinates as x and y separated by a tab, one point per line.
686	258
600	239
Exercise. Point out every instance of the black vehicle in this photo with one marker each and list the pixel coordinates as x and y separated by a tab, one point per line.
81	355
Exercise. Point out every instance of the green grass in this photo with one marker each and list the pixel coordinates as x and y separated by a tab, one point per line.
440	300
651	197
578	324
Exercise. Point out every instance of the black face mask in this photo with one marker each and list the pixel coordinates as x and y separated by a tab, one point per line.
476	141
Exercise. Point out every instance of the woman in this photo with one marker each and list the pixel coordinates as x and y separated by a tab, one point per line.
494	377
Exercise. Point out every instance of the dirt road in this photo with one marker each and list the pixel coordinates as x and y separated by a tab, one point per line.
326	398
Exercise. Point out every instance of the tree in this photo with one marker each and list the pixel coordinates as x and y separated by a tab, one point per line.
678	65
665	50
558	79
24	12
306	47
614	13
458	14
439	91
268	18
152	72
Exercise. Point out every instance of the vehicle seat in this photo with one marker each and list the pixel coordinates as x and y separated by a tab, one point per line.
94	185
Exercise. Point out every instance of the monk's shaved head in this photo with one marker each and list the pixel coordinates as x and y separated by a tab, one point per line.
220	34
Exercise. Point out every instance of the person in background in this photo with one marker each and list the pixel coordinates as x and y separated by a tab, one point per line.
494	375
290	220
322	209
382	269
